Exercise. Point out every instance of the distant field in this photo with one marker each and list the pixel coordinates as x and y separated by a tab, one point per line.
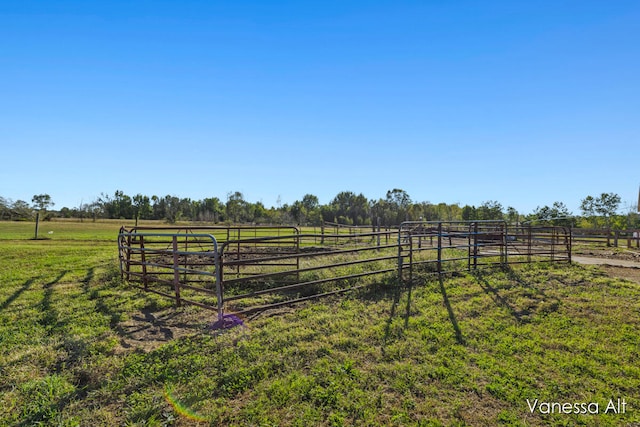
62	230
80	347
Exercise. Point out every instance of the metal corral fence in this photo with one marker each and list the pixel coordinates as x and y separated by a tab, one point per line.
453	246
185	263
238	270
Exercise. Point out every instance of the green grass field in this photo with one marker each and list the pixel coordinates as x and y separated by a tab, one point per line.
80	347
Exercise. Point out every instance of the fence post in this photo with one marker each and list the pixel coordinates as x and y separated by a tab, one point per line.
529	243
143	256
570	243
399	254
505	243
469	253
217	260
475	245
176	271
128	263
439	248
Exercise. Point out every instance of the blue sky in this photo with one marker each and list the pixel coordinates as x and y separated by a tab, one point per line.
526	103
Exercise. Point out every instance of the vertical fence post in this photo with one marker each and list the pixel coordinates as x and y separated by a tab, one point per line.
469	253
143	257
529	243
37	224
400	254
176	271
219	290
570	242
410	258
128	263
439	248
475	245
505	241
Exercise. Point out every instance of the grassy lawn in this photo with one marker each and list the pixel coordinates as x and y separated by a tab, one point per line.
79	347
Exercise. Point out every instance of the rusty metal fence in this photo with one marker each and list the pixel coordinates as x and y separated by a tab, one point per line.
237	270
454	246
182	266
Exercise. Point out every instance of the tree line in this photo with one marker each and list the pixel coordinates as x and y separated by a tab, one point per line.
346	208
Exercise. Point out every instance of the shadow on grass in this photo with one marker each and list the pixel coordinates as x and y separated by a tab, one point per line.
50	315
536	300
452	316
26	285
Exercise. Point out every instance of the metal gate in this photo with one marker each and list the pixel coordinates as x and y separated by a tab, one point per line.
182	266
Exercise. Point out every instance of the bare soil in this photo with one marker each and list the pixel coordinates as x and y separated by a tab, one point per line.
148	329
611	253
632	274
623	263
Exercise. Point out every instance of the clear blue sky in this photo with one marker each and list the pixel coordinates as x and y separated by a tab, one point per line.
523	102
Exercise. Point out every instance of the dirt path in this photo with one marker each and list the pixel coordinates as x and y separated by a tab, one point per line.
619	268
605	261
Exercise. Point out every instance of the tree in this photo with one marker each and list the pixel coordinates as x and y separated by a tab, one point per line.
42	201
512	215
310	202
398	201
490	210
606	205
173	209
236	207
349	208
5	208
142	207
557	214
21	210
211	209
469	213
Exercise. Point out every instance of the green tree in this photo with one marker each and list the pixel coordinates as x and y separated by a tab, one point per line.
211	209
604	206
142	207
5	208
490	210
469	213
21	210
512	215
236	207
349	208
557	214
41	202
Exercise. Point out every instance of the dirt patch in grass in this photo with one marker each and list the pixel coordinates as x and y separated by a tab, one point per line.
631	254
147	329
632	274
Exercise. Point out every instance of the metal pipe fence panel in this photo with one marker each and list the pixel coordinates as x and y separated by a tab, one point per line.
182	266
301	270
249	269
